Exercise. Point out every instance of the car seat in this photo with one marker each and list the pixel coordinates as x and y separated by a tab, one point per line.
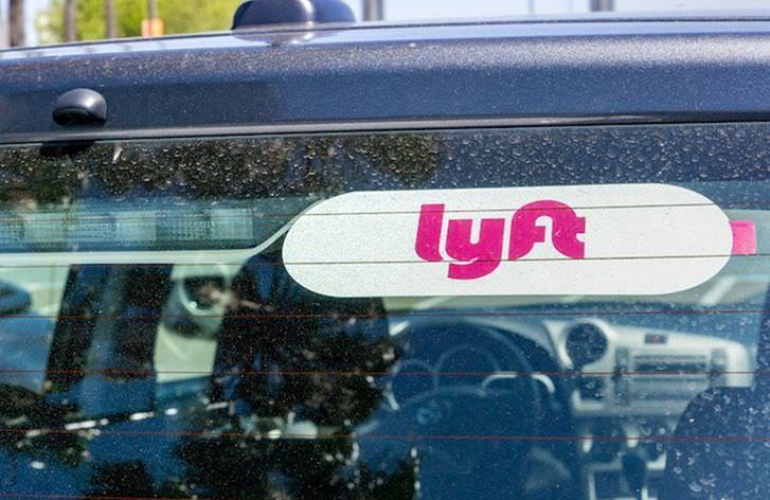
721	446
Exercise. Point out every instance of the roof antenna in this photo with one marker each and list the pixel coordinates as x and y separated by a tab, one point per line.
266	12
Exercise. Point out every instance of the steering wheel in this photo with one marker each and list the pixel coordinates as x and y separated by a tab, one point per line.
466	440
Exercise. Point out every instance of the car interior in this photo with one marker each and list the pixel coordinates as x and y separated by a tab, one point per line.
156	344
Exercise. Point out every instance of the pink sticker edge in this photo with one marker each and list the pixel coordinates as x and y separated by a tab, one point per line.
744	237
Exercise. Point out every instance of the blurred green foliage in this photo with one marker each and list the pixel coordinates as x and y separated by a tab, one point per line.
179	16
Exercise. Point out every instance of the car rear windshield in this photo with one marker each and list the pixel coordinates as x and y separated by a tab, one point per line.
481	313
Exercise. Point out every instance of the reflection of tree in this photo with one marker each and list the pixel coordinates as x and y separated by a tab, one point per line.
286	357
20	410
215	169
128	480
286	354
26	176
299	357
279	326
411	158
288	469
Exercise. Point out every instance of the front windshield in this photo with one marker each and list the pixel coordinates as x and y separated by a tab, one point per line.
350	316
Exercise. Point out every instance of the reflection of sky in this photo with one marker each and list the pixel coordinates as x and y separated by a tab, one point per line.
442	9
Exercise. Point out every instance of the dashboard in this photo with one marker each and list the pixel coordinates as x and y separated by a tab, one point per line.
624	387
616	390
631	386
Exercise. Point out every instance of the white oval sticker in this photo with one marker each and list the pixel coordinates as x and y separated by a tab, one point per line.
625	239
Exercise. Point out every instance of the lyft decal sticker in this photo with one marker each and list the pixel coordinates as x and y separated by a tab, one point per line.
476	259
625	239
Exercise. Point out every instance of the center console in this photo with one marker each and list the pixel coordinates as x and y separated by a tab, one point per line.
630	387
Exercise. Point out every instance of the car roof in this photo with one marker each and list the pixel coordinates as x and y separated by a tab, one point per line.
376	76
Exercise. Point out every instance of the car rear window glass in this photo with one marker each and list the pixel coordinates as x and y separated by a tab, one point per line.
181	319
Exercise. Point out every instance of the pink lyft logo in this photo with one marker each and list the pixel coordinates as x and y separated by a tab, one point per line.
472	260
